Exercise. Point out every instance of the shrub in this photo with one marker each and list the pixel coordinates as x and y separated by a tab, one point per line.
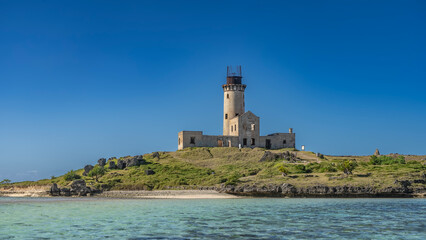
327	167
71	175
284	171
386	160
302	169
5	181
347	166
96	172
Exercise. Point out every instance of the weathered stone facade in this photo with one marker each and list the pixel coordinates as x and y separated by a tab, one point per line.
240	128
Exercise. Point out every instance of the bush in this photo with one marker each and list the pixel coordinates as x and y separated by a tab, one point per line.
386	160
71	175
347	166
284	171
5	181
327	167
302	169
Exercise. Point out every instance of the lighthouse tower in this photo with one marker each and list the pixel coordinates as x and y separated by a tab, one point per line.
233	92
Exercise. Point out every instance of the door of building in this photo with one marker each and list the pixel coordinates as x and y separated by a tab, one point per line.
268	144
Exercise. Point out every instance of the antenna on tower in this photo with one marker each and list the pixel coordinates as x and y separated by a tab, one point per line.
231	73
233	77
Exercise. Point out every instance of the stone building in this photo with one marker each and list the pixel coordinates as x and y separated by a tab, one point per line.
240	128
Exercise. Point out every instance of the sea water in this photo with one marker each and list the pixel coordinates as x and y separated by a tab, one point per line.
261	218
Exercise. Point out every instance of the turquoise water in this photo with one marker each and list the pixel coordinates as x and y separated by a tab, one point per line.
266	218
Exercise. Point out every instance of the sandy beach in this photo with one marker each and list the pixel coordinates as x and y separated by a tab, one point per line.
167	194
158	194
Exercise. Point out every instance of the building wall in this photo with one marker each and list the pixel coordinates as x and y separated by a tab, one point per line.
234	126
249	129
184	139
199	140
278	140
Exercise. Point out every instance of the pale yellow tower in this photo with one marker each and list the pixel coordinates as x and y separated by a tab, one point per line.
233	103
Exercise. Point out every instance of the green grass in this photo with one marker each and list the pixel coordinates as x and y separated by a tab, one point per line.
194	167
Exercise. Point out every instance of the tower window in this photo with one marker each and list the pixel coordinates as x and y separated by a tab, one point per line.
192	140
232	128
227	95
179	141
235	127
253	142
226	116
285	141
244	141
253	127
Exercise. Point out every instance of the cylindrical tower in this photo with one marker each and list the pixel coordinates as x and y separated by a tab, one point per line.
233	103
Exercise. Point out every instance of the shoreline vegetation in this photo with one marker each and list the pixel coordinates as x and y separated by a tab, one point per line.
233	172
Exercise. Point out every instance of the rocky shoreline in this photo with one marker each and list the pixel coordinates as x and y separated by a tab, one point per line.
321	191
78	188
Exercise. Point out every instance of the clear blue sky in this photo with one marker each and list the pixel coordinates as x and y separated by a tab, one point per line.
81	80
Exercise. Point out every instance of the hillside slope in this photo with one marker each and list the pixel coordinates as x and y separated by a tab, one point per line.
196	168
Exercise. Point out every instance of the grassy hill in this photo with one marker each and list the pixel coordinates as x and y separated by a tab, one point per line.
195	167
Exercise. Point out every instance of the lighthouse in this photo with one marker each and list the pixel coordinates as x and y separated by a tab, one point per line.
233	97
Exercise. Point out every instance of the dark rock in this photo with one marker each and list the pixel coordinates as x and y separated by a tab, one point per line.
102	162
156	155
149	172
270	156
135	161
419	181
111	158
121	164
403	183
87	169
78	187
132	162
65	192
112	165
267	156
105	187
54	190
287	188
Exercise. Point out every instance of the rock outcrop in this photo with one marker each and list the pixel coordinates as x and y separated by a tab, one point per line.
54	190
112	165
87	169
121	164
102	162
402	189
130	162
77	188
287	156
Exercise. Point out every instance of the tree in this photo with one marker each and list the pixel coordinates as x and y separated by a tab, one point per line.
96	172
284	171
347	166
5	181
